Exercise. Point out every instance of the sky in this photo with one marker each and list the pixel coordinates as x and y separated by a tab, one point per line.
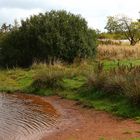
94	11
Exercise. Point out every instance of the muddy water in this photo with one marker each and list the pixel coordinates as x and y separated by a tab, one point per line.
24	117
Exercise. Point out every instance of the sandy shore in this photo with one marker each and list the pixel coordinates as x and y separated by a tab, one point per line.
78	123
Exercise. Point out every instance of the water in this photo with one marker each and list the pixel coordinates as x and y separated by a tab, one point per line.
24	117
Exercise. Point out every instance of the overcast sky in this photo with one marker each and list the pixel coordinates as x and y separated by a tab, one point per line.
95	11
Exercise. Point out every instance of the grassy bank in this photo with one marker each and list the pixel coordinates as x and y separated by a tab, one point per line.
101	85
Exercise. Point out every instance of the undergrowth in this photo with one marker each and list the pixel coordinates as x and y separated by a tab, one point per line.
93	84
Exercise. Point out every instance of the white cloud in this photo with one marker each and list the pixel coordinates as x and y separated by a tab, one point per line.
95	11
9	15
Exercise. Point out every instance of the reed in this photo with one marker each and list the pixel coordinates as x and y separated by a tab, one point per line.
113	52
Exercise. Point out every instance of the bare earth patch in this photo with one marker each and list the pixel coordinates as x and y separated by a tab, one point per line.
77	123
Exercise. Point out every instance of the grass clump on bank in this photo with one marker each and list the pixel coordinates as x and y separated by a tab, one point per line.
122	80
48	79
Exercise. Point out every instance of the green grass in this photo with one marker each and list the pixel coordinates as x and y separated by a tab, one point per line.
13	80
111	64
117	105
73	87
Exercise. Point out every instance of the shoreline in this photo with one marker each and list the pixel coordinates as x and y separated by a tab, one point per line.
77	123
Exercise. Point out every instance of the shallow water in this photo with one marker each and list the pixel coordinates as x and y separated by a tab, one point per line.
25	117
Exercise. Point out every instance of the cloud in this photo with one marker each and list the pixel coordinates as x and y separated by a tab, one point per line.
9	15
95	11
22	4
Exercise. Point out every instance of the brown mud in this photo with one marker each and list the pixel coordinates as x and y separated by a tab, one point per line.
78	123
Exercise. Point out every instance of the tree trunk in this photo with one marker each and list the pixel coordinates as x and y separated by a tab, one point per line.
132	42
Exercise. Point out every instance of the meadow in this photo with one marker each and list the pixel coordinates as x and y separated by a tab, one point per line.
110	82
118	52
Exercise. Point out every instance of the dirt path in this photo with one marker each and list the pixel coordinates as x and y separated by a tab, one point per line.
79	123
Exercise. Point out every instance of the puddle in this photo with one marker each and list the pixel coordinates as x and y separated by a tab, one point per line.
25	117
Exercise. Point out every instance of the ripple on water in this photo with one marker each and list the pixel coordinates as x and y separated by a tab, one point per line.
23	116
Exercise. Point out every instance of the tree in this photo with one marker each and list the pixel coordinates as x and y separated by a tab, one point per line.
5	28
111	25
47	37
126	26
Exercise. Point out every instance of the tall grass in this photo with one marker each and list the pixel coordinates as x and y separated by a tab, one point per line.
48	76
122	80
48	79
113	52
52	76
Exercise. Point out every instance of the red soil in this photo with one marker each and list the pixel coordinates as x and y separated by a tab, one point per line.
77	123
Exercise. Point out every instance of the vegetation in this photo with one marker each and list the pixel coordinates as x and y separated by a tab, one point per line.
57	50
111	36
55	35
124	25
118	52
102	85
123	80
109	42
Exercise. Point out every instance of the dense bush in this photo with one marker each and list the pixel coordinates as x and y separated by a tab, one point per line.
47	38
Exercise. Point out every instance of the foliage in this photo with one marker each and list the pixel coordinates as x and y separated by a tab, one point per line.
111	25
5	28
47	38
130	29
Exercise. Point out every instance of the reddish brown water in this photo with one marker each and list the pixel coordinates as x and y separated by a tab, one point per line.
24	117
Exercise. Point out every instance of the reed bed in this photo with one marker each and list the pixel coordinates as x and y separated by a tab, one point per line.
113	52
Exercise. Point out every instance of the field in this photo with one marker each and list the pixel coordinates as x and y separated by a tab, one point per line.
118	52
109	83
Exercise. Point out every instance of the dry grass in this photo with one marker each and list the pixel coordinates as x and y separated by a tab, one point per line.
113	52
123	80
48	78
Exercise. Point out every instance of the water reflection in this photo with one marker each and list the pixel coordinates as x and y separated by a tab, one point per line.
23	116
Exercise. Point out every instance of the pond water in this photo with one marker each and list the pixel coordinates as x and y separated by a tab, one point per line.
25	117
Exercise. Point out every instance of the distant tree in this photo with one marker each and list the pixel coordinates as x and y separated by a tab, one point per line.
5	28
16	25
111	25
47	37
125	26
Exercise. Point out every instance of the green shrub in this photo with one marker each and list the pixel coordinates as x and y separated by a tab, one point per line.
55	35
